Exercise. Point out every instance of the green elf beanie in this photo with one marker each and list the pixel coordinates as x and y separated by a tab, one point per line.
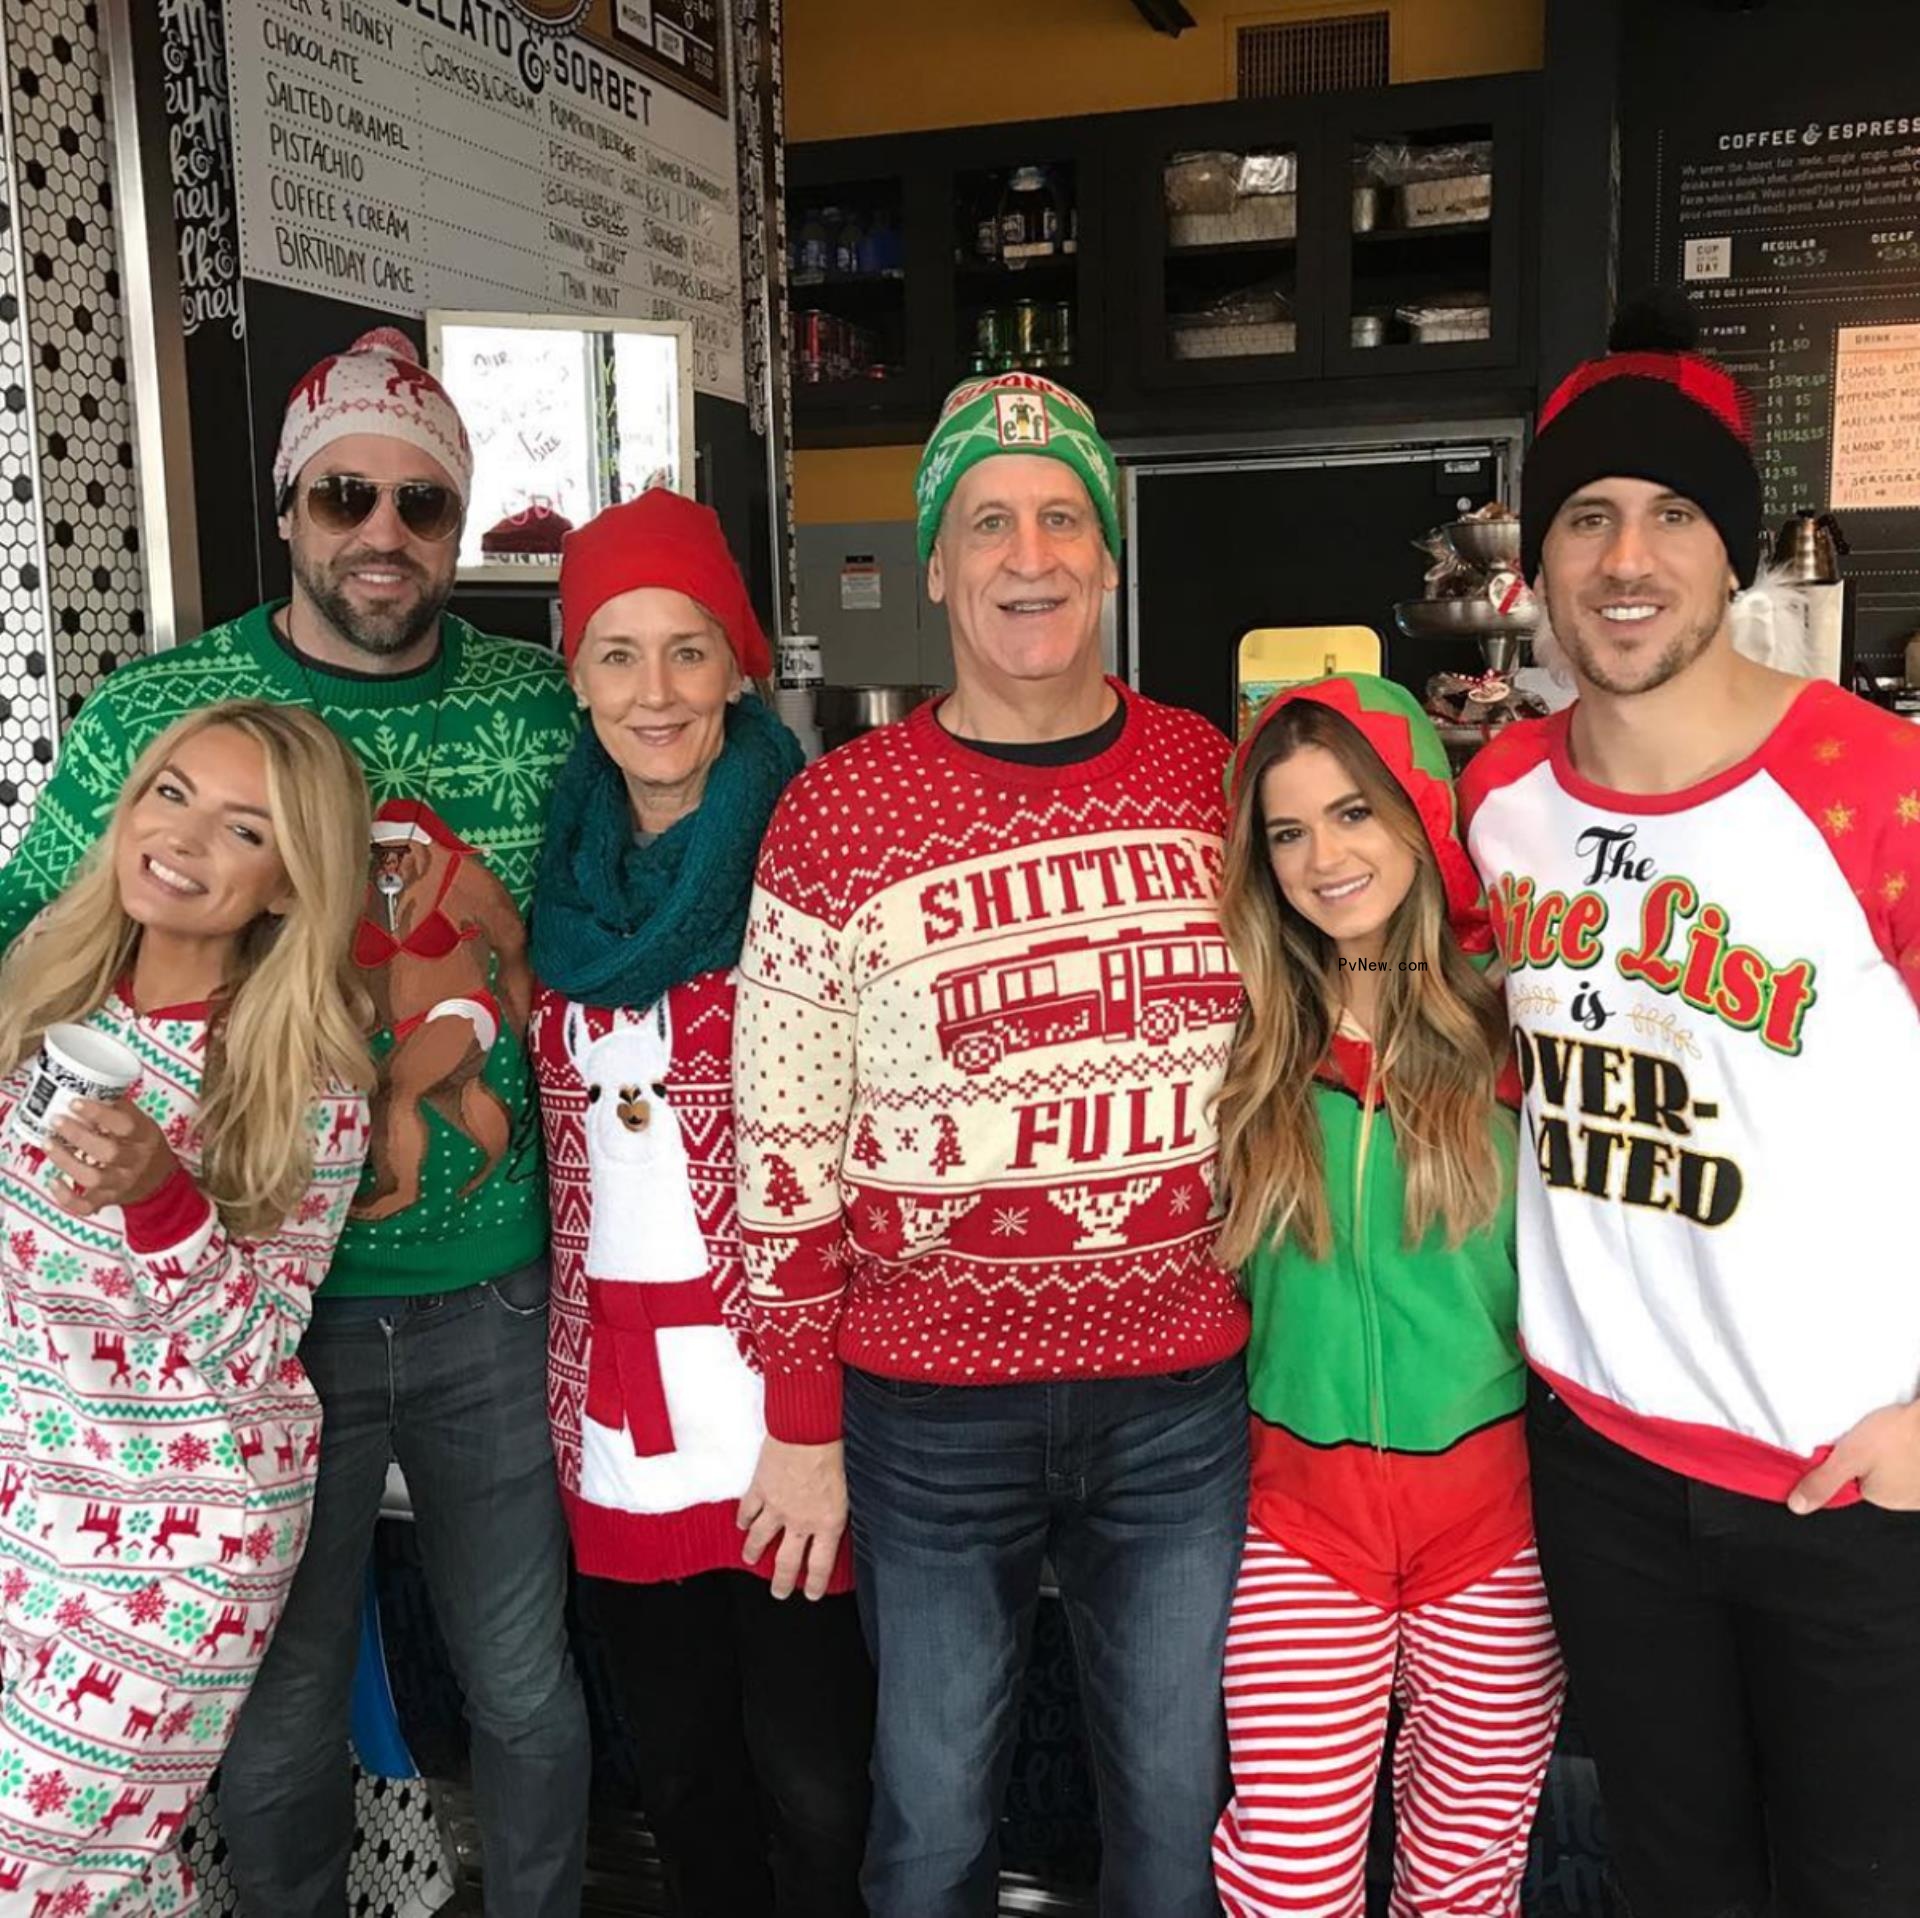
1014	413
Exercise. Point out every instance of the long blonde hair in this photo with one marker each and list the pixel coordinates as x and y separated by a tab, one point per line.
1438	1050
292	1016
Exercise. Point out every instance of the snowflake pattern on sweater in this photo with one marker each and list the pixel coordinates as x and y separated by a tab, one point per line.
984	1011
158	1445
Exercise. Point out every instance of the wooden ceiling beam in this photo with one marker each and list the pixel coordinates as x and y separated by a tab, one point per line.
1165	16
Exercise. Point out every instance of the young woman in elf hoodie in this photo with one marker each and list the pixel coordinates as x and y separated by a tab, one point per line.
1367	1162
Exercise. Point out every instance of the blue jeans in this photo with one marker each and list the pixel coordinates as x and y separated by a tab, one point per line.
1136	1491
455	1387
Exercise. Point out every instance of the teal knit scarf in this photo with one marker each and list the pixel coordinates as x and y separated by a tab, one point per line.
615	923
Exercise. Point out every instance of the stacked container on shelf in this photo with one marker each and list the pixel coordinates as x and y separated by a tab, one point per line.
1409	190
852	247
1014	221
1232	219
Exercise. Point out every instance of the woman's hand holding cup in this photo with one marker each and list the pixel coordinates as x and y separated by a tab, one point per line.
106	1155
77	1108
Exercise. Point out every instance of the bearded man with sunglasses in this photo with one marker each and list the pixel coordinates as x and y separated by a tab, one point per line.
428	1339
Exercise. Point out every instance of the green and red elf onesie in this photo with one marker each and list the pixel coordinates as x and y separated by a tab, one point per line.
1390	1544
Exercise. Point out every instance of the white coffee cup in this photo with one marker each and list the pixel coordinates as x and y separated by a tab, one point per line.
75	1062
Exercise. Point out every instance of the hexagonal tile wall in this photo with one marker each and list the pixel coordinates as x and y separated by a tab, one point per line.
27	719
399	1867
74	489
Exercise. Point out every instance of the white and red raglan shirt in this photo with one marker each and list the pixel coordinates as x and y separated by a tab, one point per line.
1713	999
983	1012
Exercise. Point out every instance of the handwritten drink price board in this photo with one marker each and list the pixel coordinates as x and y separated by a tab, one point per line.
1876	417
407	154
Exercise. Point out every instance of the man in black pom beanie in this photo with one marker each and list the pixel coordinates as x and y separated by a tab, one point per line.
1705	878
1650	409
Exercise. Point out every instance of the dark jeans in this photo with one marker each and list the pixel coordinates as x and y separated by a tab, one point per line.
1136	1490
455	1388
1749	1683
752	1725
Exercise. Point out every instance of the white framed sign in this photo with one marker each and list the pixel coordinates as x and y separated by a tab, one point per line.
566	416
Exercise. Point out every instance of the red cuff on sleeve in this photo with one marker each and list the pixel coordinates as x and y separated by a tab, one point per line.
803	1408
167	1216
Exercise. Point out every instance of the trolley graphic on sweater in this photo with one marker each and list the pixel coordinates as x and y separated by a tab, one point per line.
1140	983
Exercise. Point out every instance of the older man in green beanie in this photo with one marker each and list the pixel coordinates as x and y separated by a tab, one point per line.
984	1009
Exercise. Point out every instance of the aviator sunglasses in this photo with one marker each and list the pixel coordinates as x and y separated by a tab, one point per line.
338	502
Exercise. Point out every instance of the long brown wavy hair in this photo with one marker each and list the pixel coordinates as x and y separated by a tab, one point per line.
1438	1048
291	1018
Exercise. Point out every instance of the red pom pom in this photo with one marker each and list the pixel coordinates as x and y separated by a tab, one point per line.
387	339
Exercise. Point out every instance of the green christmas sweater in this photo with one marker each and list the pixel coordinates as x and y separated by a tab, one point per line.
1385	1380
460	759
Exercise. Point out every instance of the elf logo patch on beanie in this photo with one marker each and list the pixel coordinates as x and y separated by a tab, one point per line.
1013	413
968	392
1020	419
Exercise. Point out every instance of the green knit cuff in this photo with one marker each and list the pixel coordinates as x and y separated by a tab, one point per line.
1014	413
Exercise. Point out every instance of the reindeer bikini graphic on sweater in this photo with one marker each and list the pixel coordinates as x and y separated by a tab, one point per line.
434	919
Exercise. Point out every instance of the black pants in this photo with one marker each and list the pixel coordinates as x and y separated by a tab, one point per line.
1749	1683
753	1720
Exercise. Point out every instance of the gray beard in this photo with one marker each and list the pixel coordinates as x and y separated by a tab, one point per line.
379	635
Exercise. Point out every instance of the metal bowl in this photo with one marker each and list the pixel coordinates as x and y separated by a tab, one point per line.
1486	542
845	712
1456	619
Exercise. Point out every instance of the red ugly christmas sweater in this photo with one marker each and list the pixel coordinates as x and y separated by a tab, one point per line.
653	1383
984	1010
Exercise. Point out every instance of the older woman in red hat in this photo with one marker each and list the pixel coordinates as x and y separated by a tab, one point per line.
752	1719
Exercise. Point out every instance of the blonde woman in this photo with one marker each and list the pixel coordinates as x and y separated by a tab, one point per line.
1368	1169
158	1254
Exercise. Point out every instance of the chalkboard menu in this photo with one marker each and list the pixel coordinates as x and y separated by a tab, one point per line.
1772	168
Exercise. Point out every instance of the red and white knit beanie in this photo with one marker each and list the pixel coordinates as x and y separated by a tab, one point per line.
376	386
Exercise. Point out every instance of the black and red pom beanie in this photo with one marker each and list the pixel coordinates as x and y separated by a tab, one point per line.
1650	408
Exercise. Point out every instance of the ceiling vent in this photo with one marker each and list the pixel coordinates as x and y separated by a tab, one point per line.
1291	57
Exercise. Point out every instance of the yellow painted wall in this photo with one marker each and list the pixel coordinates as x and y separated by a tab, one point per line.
856	67
892	66
843	484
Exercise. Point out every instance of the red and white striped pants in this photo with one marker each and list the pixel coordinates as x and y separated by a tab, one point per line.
1311	1671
